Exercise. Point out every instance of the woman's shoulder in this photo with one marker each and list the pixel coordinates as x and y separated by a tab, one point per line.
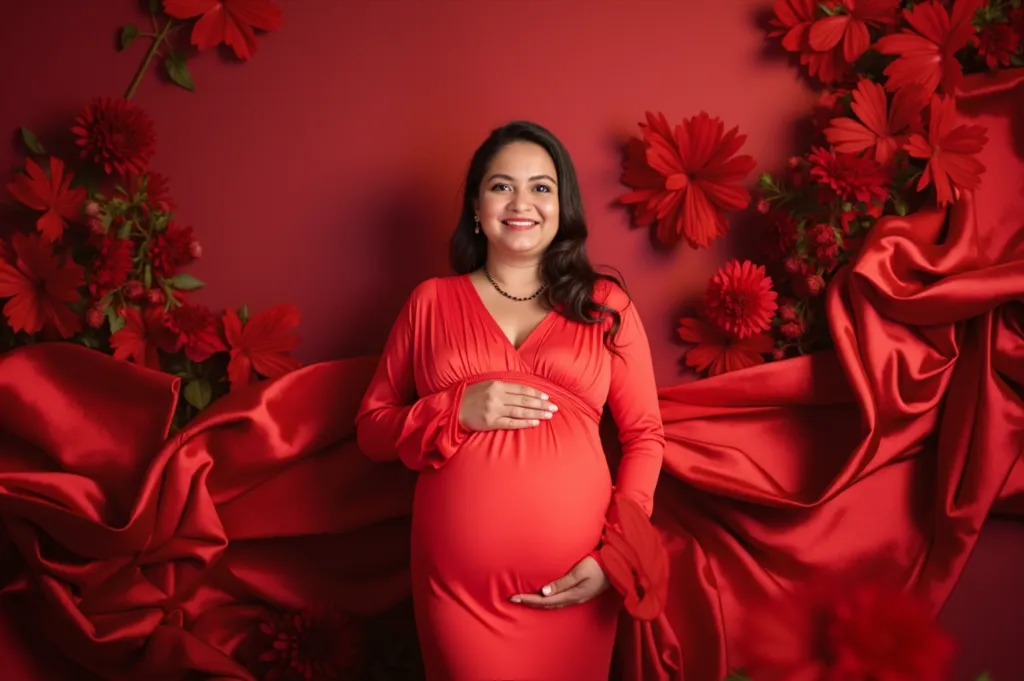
428	291
611	294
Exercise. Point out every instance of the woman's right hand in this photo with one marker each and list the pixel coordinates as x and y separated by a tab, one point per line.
497	405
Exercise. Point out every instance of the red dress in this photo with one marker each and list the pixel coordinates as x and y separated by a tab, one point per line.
502	512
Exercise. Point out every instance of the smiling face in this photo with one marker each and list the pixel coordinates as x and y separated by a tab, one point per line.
517	201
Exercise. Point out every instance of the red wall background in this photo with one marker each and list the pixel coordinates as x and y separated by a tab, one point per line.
326	171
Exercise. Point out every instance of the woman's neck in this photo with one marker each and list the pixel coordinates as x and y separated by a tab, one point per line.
515	277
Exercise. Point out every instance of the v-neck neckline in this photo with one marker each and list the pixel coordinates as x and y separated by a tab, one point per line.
496	327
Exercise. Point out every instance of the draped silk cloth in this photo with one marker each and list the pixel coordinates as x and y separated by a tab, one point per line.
139	556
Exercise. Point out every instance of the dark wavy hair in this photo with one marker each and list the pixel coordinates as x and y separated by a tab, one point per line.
565	267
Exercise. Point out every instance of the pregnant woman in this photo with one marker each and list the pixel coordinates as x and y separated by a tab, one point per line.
492	385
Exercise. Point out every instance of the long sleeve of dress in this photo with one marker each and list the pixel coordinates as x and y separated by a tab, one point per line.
633	401
392	422
631	554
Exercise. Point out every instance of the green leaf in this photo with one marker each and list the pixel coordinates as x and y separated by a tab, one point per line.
154	6
243	313
737	676
116	320
128	34
176	69
185	282
983	677
198	393
147	276
31	141
126	229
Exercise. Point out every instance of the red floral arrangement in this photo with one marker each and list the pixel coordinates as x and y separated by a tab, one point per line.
887	141
318	644
853	626
104	263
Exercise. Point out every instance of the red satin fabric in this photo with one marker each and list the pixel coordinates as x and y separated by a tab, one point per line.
139	558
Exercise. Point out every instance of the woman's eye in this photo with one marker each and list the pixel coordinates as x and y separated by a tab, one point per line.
543	188
500	187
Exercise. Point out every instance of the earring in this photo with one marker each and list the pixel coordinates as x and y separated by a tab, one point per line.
476	230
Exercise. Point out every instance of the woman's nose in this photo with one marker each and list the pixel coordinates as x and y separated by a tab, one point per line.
521	201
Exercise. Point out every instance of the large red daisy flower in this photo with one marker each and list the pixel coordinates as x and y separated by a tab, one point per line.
686	178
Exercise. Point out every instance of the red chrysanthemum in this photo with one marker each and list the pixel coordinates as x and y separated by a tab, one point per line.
52	194
950	150
116	134
686	179
850	177
926	54
718	352
40	284
197	331
313	645
739	299
997	43
111	265
170	250
844	629
881	129
227	21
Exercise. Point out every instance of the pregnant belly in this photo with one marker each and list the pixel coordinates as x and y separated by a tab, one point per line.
520	507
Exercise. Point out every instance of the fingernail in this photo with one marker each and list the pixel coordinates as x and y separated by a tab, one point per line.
534	422
553	407
548	415
543	396
516	599
546	591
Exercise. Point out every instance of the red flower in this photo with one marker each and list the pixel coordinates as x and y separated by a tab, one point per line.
315	644
40	287
950	152
260	345
116	135
227	21
196	330
844	628
880	128
831	104
52	194
793	20
927	53
719	352
849	26
142	335
824	244
111	265
997	43
694	178
740	299
170	250
150	189
851	178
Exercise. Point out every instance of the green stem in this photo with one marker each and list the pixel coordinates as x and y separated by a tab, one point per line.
148	60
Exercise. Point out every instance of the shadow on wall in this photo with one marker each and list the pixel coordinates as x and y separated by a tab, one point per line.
407	225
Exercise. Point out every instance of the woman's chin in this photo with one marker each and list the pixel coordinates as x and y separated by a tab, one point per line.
521	244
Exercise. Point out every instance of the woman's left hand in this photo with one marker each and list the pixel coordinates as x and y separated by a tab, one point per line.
585	581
